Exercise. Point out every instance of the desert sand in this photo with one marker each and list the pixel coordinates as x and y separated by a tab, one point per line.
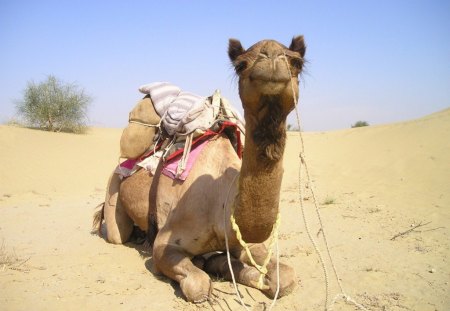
383	194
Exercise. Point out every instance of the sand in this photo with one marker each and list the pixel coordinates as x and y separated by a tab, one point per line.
372	184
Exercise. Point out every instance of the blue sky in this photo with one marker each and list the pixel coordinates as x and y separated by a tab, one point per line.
378	61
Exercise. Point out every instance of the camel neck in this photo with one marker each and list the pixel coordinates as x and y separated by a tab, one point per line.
260	178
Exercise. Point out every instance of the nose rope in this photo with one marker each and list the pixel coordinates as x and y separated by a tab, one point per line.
303	162
262	269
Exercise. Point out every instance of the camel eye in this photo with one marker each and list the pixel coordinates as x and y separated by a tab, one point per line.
239	67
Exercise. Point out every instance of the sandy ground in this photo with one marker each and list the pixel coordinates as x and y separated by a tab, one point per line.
371	183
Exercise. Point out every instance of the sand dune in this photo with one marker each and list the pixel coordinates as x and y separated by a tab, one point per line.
372	184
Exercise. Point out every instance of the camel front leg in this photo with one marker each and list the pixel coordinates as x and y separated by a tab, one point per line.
244	274
287	274
175	263
248	275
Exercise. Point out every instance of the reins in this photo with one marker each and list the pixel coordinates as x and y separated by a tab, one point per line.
261	268
273	237
302	163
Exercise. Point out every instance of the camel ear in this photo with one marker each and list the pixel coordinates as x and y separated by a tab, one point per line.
235	49
298	45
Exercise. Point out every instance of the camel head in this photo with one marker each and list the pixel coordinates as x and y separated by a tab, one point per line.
265	71
268	83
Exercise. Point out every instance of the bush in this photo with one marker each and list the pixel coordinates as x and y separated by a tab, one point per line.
291	128
54	106
360	124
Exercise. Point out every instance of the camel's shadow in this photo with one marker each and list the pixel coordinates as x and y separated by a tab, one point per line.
145	251
139	242
142	247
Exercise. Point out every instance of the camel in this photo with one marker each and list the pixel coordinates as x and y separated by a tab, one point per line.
185	220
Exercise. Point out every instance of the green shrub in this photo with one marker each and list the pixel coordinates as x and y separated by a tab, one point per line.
360	124
54	106
291	128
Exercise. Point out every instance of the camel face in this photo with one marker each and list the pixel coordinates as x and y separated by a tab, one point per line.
268	69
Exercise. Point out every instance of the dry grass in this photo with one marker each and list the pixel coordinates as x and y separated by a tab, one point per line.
329	200
10	260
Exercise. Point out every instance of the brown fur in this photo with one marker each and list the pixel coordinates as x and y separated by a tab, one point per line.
189	215
270	133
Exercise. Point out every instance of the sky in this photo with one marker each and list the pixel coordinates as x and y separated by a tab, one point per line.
377	61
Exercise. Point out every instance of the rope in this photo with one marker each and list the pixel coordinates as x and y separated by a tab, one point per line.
228	247
261	268
303	162
185	157
144	124
278	273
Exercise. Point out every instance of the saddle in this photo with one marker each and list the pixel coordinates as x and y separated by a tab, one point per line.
168	123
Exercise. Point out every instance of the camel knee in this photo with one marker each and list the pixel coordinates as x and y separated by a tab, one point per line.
174	263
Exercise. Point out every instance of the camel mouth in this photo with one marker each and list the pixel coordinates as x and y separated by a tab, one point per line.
269	80
275	76
270	87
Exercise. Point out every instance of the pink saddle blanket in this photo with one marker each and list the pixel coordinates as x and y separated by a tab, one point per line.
170	168
130	166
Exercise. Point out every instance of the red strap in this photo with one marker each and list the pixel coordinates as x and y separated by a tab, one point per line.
209	134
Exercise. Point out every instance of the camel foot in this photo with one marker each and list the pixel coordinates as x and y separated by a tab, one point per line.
247	275
287	274
287	280
196	287
174	263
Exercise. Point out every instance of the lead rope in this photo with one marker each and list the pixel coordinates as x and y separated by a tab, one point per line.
303	162
273	236
228	247
261	268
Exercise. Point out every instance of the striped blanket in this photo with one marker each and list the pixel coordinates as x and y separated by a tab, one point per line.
172	104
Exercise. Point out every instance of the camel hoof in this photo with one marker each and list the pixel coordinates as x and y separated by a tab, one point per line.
196	287
287	281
